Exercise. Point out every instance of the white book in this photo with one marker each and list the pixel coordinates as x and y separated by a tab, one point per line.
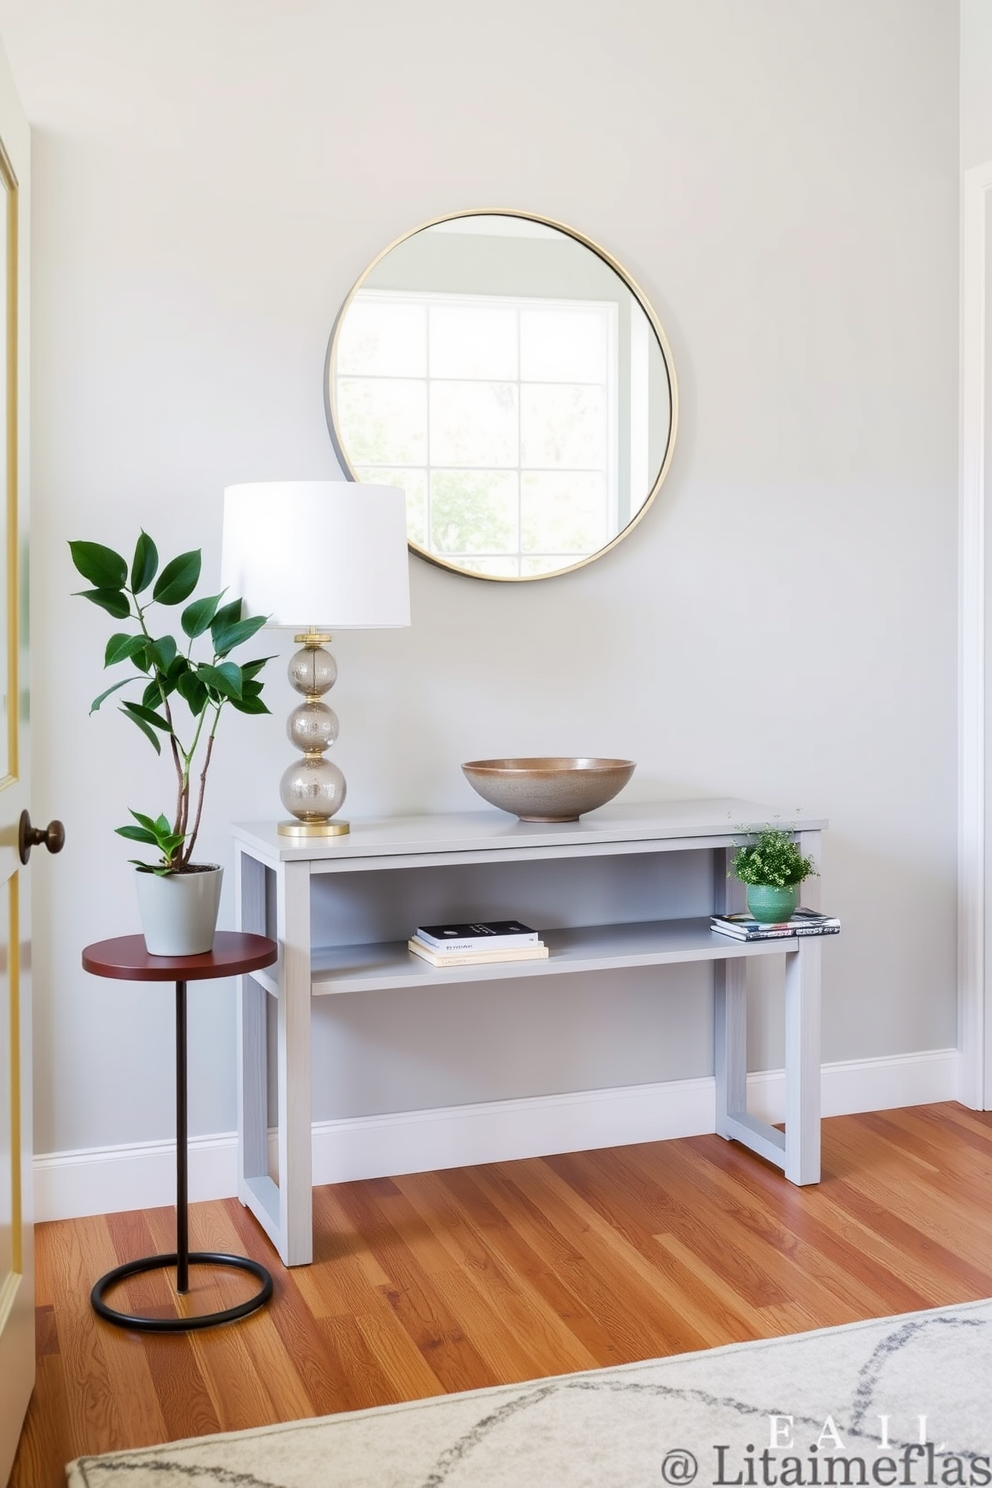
537	952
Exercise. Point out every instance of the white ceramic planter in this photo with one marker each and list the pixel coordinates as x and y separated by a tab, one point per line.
179	910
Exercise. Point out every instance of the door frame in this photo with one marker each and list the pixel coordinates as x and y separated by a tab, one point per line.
975	691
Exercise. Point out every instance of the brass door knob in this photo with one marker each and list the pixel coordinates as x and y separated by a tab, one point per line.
52	836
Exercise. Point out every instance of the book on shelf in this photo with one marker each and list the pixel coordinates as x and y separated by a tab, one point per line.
802	922
478	935
535	952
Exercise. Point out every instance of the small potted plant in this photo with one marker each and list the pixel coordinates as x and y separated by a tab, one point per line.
180	702
772	867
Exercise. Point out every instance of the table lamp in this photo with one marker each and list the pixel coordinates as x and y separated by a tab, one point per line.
316	556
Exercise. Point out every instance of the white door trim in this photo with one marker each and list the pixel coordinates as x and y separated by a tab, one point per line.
974	1021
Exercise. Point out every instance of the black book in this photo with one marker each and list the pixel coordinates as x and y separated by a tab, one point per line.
802	922
478	935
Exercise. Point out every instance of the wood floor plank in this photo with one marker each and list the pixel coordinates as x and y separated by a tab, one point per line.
743	1270
126	1364
928	1230
46	1259
93	1406
359	1377
46	1441
347	1277
966	1127
452	1358
811	1268
246	1369
963	1146
889	1266
284	1333
509	1354
964	1183
136	1234
416	1300
715	1309
635	1307
436	1282
550	1345
505	1217
724	1321
403	1364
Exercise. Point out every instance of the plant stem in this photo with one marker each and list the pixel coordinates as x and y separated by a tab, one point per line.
187	851
180	757
191	839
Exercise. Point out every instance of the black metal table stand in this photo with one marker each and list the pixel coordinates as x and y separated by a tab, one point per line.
95	958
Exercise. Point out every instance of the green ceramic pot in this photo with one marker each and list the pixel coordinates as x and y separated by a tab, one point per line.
768	904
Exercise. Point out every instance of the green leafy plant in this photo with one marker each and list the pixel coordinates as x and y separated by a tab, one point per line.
773	859
181	698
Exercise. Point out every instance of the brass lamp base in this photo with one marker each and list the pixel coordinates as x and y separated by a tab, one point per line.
333	828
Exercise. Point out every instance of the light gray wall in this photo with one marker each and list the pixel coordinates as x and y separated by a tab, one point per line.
781	178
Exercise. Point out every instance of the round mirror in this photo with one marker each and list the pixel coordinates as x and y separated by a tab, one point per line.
514	381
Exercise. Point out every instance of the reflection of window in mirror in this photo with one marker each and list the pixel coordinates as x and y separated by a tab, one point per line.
513	380
498	416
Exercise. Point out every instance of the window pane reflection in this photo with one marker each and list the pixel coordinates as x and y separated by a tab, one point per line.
386	420
474	423
505	441
563	513
471	341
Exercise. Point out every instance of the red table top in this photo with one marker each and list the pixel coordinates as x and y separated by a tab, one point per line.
126	959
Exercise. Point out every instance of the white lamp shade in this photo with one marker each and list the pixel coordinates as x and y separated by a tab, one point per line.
331	555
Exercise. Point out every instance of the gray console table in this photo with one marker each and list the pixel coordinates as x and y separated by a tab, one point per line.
341	909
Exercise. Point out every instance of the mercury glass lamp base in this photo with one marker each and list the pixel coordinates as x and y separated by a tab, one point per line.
333	828
313	789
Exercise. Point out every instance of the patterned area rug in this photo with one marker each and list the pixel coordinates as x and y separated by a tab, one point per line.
905	1402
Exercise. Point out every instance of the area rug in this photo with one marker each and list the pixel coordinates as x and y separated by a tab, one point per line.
905	1402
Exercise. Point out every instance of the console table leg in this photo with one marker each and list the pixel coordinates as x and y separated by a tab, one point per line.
253	1090
802	1063
182	1183
295	1237
730	1041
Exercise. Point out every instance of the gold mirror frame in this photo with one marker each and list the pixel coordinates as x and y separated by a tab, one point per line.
638	295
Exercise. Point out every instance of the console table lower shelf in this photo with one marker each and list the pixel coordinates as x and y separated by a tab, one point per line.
390	875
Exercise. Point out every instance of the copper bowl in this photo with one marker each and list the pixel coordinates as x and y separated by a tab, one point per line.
555	788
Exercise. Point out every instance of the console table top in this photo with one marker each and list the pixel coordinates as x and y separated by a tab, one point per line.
490	830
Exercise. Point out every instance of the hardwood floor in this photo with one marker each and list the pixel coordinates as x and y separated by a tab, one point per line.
475	1276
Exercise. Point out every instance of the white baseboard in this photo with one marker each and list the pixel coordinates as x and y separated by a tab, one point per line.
921	1079
104	1180
498	1131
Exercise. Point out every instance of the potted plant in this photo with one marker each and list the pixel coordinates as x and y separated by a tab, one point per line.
772	867
180	702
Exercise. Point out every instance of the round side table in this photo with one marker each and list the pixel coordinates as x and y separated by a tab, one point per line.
125	959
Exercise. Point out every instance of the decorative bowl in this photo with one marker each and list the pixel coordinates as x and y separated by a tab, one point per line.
553	788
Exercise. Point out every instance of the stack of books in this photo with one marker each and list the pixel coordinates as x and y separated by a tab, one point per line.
476	943
803	922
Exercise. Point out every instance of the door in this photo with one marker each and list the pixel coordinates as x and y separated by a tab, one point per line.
16	1248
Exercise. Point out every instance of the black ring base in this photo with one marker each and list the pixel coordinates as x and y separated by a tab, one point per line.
180	1324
